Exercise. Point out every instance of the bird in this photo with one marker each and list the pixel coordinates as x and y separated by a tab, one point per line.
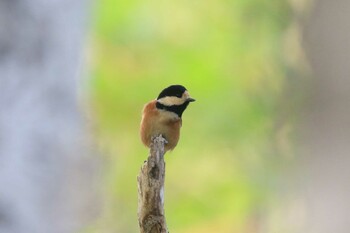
162	116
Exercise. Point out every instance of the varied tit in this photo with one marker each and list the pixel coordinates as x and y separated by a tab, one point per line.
163	116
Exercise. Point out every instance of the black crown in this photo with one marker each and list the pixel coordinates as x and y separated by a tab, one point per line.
173	90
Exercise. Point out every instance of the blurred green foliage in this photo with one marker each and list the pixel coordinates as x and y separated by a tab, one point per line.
229	56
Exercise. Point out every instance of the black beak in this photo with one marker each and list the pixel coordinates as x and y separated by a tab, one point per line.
190	99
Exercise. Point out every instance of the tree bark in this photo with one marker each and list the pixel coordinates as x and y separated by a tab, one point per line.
151	190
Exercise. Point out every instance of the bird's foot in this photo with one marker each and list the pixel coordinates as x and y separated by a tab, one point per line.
165	141
159	137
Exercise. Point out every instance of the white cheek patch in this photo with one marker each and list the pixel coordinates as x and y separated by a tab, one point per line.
172	100
186	95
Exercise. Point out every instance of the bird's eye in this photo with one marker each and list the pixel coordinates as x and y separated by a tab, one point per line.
178	95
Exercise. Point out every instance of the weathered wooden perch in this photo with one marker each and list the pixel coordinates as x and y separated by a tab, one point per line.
151	190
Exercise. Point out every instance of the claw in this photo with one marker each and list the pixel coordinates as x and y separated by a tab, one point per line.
162	137
165	141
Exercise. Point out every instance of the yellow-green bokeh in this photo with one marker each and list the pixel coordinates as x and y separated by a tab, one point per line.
228	54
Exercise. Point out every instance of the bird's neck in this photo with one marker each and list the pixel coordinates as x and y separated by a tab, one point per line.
177	109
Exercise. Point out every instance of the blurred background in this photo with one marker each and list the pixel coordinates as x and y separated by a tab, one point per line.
263	149
235	58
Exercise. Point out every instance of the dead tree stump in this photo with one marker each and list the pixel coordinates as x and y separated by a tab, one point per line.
151	190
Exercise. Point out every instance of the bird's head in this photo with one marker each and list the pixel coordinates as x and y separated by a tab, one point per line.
174	98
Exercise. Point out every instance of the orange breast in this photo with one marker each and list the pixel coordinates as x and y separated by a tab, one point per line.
155	122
